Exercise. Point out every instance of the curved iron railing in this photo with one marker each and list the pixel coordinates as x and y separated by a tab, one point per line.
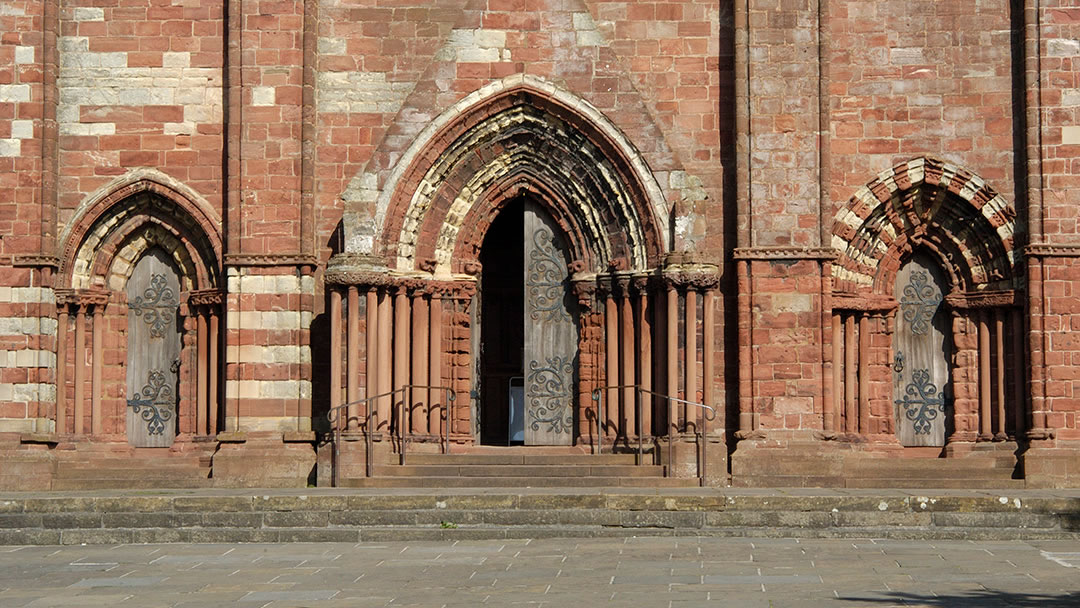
708	411
333	416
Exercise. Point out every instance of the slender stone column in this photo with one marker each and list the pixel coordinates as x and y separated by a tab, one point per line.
420	402
985	430
672	310
833	419
401	352
202	391
1019	396
644	354
215	342
95	381
864	374
384	359
371	350
629	397
61	368
435	352
352	352
999	335
611	346
746	355
80	368
335	353
709	331
851	415
690	366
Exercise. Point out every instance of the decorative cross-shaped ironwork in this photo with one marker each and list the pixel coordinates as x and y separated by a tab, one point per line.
921	402
920	302
154	402
550	394
157	306
546	280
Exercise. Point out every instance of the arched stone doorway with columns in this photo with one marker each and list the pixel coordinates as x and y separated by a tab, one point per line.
521	165
140	321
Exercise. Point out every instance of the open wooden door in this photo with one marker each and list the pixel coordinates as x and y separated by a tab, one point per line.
550	349
153	351
921	351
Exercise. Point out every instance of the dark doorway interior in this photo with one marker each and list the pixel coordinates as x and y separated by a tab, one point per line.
502	312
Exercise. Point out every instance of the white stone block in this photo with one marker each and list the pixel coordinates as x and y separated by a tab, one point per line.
490	39
1070	136
24	54
10	147
1063	48
332	46
176	60
590	38
262	96
583	21
14	93
22	129
88	13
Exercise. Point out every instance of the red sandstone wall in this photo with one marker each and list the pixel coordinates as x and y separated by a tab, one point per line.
919	78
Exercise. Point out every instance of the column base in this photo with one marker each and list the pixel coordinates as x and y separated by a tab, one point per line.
264	461
1051	464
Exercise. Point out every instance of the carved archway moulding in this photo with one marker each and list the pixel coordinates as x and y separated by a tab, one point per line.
517	135
142	209
930	205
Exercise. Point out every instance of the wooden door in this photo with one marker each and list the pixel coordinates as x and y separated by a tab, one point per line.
921	351
550	349
153	351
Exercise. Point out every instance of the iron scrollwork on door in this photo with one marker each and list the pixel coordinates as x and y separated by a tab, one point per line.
546	279
920	302
157	306
549	394
153	403
921	402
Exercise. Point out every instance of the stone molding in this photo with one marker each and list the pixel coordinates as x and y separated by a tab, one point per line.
270	260
990	299
1046	250
36	261
864	303
785	253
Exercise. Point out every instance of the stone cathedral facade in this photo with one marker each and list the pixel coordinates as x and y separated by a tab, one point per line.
270	242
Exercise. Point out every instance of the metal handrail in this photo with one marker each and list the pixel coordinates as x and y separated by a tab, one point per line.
333	415
709	414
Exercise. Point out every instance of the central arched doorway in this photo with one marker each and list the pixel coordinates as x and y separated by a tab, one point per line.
528	331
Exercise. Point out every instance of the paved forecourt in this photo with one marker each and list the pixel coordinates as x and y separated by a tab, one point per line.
633	571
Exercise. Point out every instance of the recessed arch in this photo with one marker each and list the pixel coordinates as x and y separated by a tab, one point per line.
136	211
515	128
932	205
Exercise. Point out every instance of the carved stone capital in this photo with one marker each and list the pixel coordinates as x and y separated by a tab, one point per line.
585	291
82	298
205	297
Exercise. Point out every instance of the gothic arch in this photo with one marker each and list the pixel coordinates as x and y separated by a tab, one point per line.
143	209
931	205
520	134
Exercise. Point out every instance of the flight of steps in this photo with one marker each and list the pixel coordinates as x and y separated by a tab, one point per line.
132	468
521	467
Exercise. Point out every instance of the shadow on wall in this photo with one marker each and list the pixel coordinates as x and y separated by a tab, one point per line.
978	598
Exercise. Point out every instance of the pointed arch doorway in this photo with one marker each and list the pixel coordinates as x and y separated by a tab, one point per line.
528	331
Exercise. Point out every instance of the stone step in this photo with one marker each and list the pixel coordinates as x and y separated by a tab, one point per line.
427	481
367	515
523	458
981	482
100	482
516	470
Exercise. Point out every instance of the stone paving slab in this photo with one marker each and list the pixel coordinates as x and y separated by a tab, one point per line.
634	571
